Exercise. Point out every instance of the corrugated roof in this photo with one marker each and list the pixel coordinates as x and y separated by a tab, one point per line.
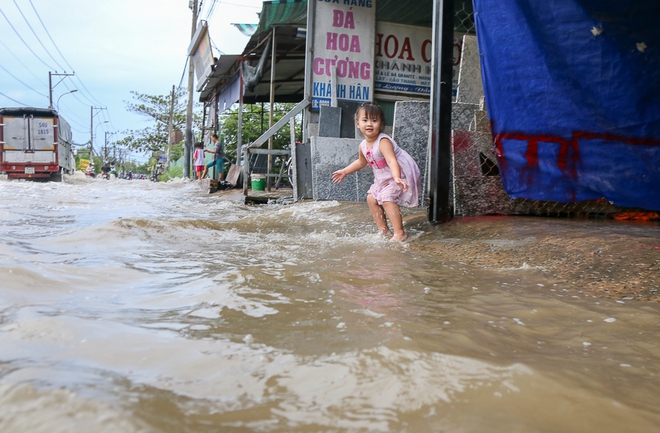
288	16
414	13
282	12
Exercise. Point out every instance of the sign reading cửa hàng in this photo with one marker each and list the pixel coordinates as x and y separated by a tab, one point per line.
344	33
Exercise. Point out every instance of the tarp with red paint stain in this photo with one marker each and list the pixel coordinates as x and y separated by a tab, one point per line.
573	93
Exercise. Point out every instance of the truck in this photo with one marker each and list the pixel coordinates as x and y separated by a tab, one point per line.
35	144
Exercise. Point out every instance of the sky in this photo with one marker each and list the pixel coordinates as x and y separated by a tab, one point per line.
113	47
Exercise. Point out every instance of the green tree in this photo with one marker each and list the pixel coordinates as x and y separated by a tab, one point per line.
153	138
255	123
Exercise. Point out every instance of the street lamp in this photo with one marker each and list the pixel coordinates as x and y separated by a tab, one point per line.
105	147
57	104
91	130
50	84
91	142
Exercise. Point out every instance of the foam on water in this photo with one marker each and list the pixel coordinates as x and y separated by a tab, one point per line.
141	306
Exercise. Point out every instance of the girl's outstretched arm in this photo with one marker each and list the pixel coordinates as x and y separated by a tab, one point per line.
387	150
354	166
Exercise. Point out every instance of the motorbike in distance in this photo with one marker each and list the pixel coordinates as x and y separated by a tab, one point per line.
158	170
105	171
90	171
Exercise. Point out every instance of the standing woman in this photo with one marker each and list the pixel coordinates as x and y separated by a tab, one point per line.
218	157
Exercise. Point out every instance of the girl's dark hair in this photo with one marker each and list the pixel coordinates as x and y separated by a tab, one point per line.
372	111
199	144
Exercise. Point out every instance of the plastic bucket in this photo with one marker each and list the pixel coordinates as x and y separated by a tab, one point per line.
258	182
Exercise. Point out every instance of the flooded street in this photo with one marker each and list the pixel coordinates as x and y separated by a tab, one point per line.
132	306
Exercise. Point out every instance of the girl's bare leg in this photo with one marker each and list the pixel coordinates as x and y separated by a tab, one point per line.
379	216
394	215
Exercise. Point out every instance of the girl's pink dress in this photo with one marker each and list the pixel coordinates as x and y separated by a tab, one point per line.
198	156
384	187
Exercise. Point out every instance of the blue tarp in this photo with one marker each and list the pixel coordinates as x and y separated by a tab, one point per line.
573	94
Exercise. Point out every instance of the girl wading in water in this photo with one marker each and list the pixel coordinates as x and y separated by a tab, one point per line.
396	174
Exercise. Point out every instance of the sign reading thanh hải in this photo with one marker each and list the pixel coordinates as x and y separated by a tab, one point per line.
403	59
343	51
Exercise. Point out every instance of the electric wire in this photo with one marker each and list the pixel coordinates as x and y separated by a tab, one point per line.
49	36
91	99
83	131
109	119
85	94
19	60
36	36
74	119
75	96
218	50
32	51
22	40
240	5
79	131
183	74
20	81
13	100
211	9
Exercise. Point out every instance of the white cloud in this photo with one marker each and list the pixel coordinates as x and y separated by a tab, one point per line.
114	47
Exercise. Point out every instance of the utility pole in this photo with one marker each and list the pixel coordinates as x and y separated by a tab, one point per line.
170	128
91	131
105	147
273	63
189	110
51	87
440	207
91	135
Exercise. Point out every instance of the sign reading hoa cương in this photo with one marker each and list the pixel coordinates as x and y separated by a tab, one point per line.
343	51
403	59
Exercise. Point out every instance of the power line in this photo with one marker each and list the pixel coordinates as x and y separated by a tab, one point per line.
73	120
114	128
91	97
22	40
215	46
29	48
211	9
240	5
75	95
12	99
73	117
49	36
64	58
109	119
183	74
19	60
35	35
19	80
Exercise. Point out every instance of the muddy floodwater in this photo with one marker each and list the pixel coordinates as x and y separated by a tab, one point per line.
134	306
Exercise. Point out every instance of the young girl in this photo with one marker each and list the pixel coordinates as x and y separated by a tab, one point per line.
198	157
396	174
